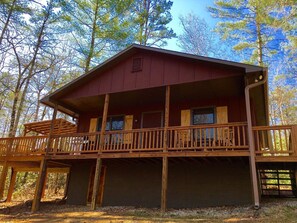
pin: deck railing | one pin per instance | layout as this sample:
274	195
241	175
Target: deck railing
231	136
27	145
269	141
275	140
223	137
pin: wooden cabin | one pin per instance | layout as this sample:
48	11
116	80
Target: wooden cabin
158	128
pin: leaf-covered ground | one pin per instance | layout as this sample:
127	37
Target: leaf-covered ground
281	210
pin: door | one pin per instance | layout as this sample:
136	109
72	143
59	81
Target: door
151	139
152	119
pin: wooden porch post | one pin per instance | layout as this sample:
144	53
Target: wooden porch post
166	117
44	185
43	166
165	158
104	120
66	185
11	184
3	179
99	161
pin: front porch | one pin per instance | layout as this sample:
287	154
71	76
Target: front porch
272	143
208	140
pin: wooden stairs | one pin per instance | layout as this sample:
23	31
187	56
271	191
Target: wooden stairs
278	182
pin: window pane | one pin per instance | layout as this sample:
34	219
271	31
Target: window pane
117	123
99	124
203	116
107	128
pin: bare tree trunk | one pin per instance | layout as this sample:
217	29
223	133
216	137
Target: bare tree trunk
37	107
259	41
92	44
24	180
13	113
43	113
7	21
2	102
20	108
5	128
146	29
57	186
16	114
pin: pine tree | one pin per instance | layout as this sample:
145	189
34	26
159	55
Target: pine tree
250	24
151	18
95	26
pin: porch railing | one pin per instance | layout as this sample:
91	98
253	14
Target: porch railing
29	145
269	141
231	136
275	140
217	137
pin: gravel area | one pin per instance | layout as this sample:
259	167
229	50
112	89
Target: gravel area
272	210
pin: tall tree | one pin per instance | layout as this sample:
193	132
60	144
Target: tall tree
151	18
288	12
32	44
249	24
11	11
95	26
283	97
198	38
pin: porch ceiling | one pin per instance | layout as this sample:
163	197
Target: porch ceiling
218	88
203	90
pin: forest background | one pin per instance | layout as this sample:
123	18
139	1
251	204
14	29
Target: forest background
44	44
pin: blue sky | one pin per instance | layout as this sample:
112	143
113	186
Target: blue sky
183	7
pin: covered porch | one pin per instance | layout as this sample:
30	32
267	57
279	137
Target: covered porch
202	118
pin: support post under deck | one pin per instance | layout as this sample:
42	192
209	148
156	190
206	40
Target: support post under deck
99	160
96	183
3	179
164	184
165	158
39	185
11	185
43	166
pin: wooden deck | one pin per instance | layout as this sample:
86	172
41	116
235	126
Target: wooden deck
272	143
276	143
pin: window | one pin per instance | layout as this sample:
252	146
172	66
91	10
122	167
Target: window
113	123
203	116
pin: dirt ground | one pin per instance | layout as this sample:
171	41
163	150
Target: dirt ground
280	211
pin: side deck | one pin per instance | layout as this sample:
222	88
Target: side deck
272	143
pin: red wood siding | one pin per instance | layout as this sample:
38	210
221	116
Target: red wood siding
158	70
236	111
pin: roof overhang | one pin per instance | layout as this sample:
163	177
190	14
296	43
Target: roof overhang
53	98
